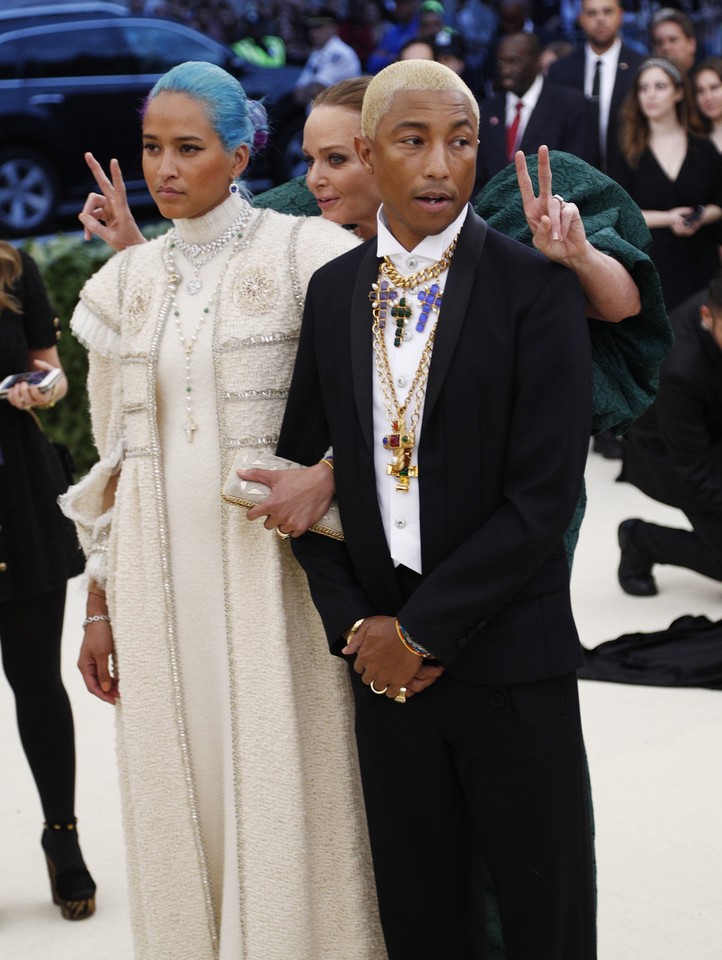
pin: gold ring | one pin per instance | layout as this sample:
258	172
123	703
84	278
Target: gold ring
281	534
379	692
400	696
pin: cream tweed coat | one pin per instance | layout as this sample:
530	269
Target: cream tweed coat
243	815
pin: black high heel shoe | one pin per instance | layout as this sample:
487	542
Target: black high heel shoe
72	887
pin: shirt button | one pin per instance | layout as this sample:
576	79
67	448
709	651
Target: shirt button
399	524
407	335
412	263
401	382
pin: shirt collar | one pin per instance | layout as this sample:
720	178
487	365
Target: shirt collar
431	248
530	97
610	56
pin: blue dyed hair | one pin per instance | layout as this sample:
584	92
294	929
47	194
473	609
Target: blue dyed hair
235	119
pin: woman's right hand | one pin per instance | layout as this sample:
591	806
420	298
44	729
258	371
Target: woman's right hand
94	661
107	214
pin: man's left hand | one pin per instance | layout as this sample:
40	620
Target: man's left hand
383	659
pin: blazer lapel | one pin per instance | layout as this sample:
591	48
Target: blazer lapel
493	135
455	306
623	80
361	340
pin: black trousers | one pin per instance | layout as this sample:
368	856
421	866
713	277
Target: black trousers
466	778
30	633
699	550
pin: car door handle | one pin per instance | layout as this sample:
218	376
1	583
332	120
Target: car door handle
40	98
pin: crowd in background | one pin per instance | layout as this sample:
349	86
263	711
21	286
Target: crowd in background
636	92
477	23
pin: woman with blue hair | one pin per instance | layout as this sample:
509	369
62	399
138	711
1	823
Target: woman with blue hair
240	791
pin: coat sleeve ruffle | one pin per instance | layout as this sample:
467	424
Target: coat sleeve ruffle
83	504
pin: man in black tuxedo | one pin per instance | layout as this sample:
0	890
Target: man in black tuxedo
603	70
673	453
459	437
530	111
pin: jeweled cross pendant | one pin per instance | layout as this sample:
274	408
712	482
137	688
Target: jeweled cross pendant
400	442
382	296
430	299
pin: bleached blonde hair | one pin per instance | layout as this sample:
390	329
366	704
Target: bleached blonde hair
408	75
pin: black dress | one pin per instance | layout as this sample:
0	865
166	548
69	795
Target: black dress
685	264
39	550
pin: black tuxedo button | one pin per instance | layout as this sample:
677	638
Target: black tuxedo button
497	701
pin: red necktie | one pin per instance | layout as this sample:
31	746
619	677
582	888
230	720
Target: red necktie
511	132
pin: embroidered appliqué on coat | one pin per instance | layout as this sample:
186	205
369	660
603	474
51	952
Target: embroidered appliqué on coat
257	288
138	305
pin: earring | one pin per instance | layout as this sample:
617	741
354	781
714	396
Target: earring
233	187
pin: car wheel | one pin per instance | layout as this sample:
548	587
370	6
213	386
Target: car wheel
287	161
28	191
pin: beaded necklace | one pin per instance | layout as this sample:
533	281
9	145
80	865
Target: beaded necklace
188	344
385	294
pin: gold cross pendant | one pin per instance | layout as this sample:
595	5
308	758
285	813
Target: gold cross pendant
400	443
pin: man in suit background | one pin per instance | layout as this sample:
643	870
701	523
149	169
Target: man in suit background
673	453
603	70
530	111
457	402
673	36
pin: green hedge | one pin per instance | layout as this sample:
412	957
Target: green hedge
65	264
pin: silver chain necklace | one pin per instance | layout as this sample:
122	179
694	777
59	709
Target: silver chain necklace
198	254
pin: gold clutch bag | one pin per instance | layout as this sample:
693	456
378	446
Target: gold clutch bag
249	493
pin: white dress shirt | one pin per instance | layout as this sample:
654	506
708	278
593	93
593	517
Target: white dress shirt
400	512
529	101
607	77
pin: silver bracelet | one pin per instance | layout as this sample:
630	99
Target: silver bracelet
97	618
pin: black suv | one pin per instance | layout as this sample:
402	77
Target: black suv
71	86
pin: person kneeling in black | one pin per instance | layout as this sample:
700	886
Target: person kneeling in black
673	453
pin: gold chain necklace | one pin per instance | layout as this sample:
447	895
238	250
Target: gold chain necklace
401	441
385	299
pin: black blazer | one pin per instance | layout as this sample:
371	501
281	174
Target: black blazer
563	119
504	440
570	71
673	453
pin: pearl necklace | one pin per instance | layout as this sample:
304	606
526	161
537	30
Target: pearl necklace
188	345
198	254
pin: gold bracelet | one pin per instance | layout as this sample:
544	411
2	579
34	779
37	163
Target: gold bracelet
51	399
349	634
402	638
328	461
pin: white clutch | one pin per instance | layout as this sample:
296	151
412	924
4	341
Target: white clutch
248	493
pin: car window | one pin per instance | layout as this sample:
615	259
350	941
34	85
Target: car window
65	53
157	49
9	60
